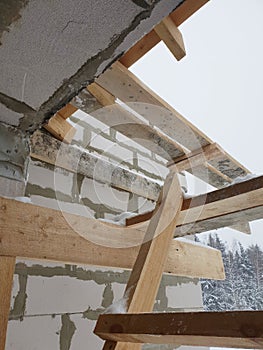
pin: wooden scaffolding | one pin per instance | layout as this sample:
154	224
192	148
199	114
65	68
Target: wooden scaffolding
151	248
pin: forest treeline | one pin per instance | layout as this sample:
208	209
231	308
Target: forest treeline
243	287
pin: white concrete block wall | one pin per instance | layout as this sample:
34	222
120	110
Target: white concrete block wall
55	306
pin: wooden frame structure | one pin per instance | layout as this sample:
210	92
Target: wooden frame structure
242	329
150	245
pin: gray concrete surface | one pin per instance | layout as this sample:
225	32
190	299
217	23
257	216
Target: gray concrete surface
48	53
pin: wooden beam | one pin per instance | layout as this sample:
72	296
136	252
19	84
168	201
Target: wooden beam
60	128
172	37
127	123
76	159
179	15
220	216
9	188
67	111
157	111
33	239
7	265
238	329
221	208
145	278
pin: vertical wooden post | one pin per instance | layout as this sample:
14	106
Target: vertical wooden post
7	266
10	188
147	272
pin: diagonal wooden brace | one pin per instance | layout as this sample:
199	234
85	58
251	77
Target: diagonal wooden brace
146	275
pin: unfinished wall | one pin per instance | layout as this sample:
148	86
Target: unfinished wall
55	306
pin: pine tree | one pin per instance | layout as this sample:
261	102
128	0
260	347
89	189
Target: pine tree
243	287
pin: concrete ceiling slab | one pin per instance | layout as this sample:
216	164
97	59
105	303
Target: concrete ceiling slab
52	50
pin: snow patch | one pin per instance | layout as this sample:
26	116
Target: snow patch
109	221
182	239
239	179
23	199
120	306
187	196
79	101
120	219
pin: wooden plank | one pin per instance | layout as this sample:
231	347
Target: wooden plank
179	15
196	158
238	203
76	159
47	150
67	111
157	111
104	97
186	10
221	208
34	238
7	266
238	329
60	128
172	37
144	281
228	165
127	123
138	50
9	188
243	227
210	175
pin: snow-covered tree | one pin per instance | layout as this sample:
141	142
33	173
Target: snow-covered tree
243	287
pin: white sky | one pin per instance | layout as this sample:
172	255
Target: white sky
218	86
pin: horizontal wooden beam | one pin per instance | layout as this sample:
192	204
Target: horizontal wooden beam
241	202
235	329
172	37
159	113
76	159
34	232
151	106
179	15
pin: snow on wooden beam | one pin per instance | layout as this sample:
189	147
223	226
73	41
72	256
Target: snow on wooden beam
181	14
76	159
241	202
235	329
172	37
48	234
238	203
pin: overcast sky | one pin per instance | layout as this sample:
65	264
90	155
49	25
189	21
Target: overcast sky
218	86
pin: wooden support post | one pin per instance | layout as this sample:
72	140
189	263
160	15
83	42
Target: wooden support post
7	266
10	188
172	37
145	278
227	329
